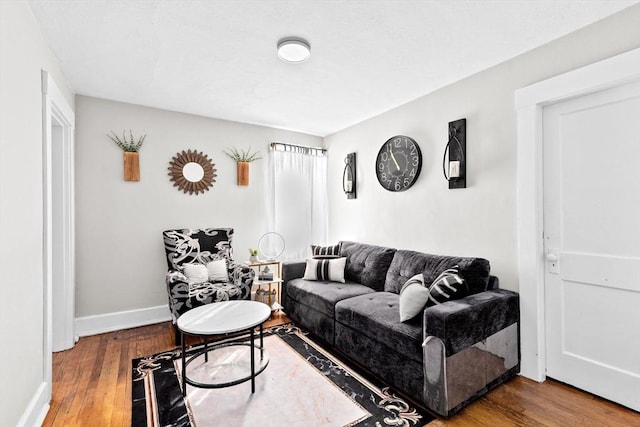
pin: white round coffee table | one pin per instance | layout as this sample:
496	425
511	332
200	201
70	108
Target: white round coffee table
231	362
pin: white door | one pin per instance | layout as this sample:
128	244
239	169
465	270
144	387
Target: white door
592	242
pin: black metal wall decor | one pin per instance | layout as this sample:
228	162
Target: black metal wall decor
454	167
349	176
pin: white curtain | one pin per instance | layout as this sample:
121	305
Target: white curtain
297	198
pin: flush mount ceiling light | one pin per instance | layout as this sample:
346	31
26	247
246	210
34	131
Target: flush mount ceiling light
294	50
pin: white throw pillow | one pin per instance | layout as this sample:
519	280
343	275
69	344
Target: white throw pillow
196	273
413	297
217	270
325	269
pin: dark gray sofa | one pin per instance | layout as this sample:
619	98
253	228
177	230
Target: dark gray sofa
450	355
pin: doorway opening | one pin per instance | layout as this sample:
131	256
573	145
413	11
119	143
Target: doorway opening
58	220
530	102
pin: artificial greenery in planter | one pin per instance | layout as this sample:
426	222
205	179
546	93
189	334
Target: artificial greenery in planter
127	145
242	158
130	147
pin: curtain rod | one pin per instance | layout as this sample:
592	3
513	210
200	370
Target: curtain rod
297	148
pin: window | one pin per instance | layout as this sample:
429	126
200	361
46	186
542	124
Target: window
297	197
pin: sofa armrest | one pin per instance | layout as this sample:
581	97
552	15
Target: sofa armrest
464	322
293	270
470	346
290	270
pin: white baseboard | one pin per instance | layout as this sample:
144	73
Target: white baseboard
101	323
37	409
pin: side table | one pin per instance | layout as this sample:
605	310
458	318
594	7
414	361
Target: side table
275	268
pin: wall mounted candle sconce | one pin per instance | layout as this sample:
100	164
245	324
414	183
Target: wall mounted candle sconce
454	167
349	176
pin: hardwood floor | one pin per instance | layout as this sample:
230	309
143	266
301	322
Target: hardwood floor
92	387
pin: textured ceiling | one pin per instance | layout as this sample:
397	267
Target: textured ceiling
218	58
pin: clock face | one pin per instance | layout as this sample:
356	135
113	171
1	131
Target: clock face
398	163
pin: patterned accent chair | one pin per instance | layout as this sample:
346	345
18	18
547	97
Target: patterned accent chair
200	246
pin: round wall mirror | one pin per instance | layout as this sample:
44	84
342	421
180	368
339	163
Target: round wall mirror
192	172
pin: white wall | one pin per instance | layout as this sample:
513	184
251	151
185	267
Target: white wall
120	255
23	54
481	219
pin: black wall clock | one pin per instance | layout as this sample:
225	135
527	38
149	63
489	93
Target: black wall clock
398	163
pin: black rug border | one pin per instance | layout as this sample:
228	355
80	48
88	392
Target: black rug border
386	406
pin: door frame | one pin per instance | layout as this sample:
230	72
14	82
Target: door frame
530	102
56	111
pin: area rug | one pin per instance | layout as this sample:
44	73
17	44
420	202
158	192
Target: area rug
303	385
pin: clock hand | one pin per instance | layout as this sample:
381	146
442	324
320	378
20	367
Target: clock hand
394	159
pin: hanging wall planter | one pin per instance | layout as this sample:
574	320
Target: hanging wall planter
242	158
130	147
243	173
131	166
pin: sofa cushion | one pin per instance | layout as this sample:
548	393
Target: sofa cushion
313	321
407	264
377	316
367	264
323	295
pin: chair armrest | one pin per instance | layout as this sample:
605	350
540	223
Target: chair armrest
242	276
175	277
464	322
177	290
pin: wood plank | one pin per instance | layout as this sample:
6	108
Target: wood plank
92	386
122	402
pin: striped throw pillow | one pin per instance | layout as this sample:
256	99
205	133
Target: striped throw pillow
449	285
331	270
326	251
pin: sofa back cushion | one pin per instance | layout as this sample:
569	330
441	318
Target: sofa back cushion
407	264
367	264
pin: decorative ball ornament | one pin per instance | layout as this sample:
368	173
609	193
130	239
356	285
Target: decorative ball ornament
192	172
